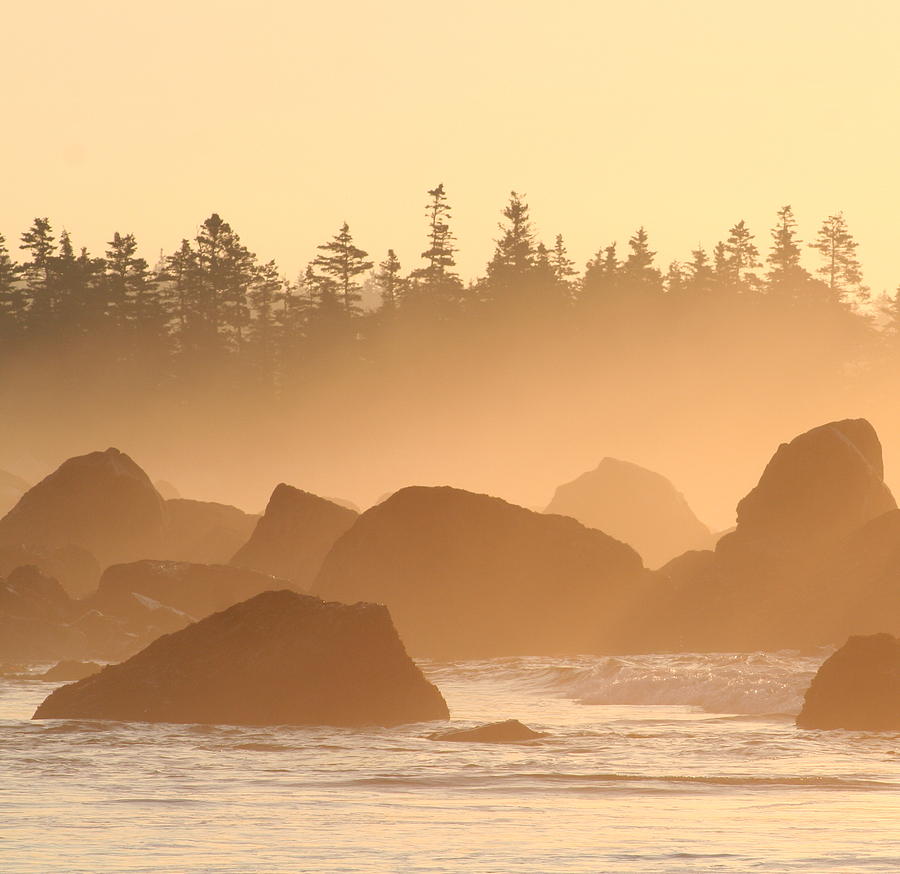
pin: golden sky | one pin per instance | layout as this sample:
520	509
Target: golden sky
288	118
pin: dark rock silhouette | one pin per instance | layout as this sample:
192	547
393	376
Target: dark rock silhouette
278	658
101	502
204	531
509	731
467	575
634	505
70	670
857	688
816	490
294	535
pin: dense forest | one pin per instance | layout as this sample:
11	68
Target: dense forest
363	357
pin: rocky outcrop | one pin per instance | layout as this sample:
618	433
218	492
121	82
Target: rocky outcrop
102	502
203	531
75	568
811	560
70	670
35	619
191	590
278	658
294	535
507	732
467	575
634	505
857	688
816	490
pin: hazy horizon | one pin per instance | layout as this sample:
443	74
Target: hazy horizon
288	120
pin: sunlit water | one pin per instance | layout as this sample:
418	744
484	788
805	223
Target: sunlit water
653	764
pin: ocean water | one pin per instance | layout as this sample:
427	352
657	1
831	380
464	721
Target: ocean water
659	763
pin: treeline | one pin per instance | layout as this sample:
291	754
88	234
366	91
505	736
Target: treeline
211	307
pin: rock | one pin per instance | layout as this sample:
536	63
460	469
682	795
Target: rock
204	532
192	590
12	488
634	505
28	593
166	490
75	568
35	615
471	576
278	658
102	502
294	535
510	731
809	562
857	688
816	490
71	670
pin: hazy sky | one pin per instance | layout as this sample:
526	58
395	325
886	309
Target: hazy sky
288	118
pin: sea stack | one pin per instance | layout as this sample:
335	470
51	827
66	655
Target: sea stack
294	535
280	658
101	502
471	576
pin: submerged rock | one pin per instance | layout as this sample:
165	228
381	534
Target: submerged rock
471	576
857	688
509	731
294	535
71	670
278	658
101	502
634	505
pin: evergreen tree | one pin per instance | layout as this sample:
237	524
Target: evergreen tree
700	275
741	256
266	289
390	282
13	299
515	251
440	251
638	270
785	270
840	269
38	240
563	267
339	266
601	276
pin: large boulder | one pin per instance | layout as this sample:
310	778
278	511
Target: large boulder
468	576
278	658
101	502
294	535
634	505
857	688
816	490
204	531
